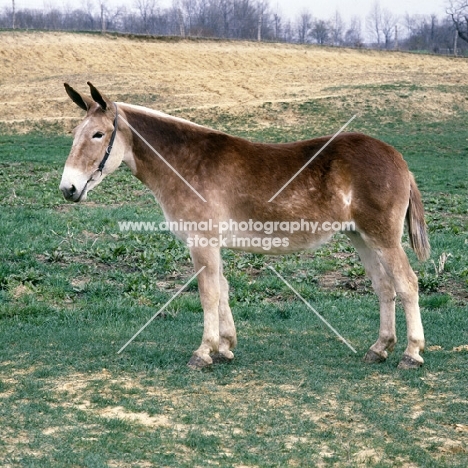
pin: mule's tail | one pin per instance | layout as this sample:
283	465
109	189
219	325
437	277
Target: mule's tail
416	224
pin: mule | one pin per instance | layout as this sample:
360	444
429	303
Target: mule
204	179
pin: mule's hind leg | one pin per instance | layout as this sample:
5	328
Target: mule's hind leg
383	287
227	329
397	266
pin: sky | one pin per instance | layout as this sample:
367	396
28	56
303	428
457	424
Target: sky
288	9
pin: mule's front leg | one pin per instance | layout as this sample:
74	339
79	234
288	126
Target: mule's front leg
378	352
227	329
209	288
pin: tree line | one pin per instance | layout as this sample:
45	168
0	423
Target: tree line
256	20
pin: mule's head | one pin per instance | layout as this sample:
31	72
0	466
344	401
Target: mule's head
84	168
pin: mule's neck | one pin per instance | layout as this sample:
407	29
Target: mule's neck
160	141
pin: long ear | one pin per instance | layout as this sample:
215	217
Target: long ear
102	100
82	101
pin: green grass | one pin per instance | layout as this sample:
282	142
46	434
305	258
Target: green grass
74	289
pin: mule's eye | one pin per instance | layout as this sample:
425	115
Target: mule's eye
98	135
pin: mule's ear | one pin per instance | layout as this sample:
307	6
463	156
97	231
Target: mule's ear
82	101
100	98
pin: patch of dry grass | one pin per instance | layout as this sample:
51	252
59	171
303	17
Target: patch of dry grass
196	76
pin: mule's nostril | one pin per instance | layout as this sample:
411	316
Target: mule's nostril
69	192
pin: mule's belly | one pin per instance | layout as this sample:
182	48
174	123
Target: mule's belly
260	243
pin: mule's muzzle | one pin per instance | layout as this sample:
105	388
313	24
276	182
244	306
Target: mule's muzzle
71	193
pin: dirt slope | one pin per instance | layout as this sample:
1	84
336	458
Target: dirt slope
200	75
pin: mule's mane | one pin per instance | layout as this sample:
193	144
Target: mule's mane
146	112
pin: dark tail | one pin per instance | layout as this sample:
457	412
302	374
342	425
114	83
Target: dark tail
416	224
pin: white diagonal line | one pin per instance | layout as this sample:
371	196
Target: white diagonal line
312	309
312	158
162	158
161	309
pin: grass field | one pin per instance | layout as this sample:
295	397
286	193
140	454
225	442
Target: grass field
74	289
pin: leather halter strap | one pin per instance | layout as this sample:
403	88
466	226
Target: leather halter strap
111	142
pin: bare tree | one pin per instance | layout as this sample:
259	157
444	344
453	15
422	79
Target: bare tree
337	27
225	16
288	32
304	24
434	33
108	16
388	21
458	12
146	9
410	23
188	9
244	19
277	25
320	31
374	22
353	35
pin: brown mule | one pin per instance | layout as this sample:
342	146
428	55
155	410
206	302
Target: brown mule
214	190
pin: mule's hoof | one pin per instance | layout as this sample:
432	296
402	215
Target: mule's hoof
219	358
408	362
197	363
373	357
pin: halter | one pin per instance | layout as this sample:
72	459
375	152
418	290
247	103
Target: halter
111	142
